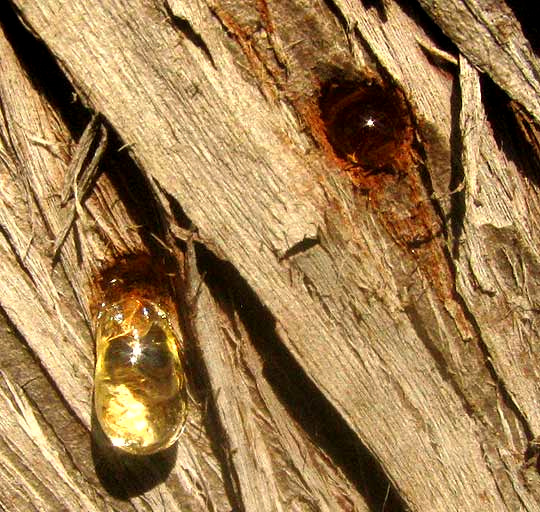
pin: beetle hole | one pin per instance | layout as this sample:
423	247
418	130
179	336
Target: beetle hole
367	124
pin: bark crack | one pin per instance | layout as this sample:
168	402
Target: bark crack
184	26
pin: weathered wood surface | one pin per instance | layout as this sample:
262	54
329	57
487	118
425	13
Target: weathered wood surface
330	339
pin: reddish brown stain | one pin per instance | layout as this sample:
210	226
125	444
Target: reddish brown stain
266	72
367	128
368	125
265	16
139	275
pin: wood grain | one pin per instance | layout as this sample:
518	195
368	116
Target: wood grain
421	348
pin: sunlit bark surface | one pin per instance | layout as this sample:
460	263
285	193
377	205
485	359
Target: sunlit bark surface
346	195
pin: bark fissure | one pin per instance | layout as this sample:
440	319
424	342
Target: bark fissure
365	339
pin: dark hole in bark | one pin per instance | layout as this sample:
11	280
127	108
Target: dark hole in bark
367	124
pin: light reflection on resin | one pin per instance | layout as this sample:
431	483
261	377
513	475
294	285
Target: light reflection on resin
139	386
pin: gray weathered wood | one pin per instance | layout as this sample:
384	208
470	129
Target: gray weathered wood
425	352
491	37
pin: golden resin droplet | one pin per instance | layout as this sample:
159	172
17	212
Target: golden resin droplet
139	386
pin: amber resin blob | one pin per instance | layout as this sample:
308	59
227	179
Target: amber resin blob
139	387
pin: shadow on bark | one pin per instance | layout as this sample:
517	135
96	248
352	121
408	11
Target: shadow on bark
304	402
125	476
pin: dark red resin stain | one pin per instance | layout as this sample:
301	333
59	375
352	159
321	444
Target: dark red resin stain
368	125
142	275
367	129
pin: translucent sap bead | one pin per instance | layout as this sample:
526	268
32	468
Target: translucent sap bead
139	387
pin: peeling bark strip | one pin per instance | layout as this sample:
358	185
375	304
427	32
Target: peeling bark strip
491	37
80	174
385	327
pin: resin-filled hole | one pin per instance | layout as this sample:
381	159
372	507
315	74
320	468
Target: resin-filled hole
367	124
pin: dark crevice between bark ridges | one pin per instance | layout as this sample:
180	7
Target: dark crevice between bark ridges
304	402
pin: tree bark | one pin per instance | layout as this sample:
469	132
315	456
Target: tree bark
360	323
